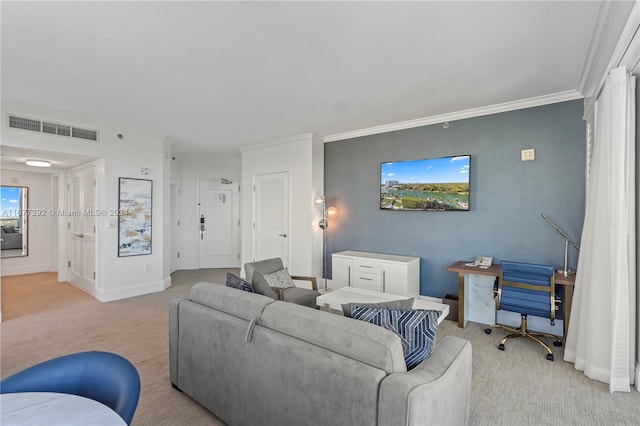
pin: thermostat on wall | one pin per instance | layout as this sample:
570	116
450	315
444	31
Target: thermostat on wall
527	154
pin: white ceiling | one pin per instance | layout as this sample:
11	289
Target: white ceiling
217	76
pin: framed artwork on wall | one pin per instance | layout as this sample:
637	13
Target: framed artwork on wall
135	213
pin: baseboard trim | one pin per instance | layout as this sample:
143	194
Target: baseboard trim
8	271
167	282
108	295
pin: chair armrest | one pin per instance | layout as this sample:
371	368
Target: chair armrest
314	283
278	292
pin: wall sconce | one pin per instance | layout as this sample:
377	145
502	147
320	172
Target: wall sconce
330	212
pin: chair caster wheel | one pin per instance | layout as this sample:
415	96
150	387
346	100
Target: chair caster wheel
550	357
557	343
501	347
487	331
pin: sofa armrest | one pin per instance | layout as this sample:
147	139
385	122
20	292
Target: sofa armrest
314	283
174	318
437	391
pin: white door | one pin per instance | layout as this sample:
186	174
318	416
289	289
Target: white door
271	216
82	229
218	224
174	217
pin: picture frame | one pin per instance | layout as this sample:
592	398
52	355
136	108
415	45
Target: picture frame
135	213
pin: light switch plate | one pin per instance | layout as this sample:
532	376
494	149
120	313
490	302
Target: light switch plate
527	154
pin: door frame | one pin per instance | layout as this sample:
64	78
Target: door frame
236	211
254	213
66	225
176	225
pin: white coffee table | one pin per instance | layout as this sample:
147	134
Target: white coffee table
335	298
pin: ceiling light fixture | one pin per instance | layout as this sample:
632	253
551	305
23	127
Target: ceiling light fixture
38	163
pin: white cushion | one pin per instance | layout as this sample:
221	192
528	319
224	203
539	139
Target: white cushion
279	279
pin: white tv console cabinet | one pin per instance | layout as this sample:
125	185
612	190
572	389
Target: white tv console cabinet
387	273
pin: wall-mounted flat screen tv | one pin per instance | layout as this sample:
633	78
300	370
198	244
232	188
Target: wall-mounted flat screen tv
432	184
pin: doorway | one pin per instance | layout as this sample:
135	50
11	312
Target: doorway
218	223
82	228
271	216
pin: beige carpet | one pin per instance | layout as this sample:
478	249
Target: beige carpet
43	319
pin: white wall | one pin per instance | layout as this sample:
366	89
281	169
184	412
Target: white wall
39	227
116	277
303	158
190	169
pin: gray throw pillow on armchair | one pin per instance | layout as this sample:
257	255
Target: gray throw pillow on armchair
261	286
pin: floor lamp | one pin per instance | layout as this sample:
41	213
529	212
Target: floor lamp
330	212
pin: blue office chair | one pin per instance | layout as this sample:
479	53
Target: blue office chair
102	376
528	289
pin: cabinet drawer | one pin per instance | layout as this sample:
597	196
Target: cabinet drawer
366	280
367	266
365	285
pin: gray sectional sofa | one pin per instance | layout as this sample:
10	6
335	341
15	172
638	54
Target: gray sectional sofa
254	361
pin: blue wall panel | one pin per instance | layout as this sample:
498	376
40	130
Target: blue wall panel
507	195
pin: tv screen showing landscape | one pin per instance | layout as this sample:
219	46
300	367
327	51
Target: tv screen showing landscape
433	184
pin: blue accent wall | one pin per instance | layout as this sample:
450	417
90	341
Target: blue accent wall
506	196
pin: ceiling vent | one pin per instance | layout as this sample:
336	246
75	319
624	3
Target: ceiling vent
52	128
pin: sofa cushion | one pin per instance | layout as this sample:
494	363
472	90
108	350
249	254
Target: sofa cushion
240	304
237	282
300	296
396	304
416	328
279	279
357	340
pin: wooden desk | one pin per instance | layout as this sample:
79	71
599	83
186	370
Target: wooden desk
46	408
494	271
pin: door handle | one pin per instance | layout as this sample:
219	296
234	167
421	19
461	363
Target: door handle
79	235
282	235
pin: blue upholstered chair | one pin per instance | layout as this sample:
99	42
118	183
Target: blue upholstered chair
102	376
528	289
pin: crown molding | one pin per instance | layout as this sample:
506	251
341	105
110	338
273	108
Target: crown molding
265	144
569	95
615	25
600	48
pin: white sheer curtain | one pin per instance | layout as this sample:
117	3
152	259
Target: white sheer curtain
601	336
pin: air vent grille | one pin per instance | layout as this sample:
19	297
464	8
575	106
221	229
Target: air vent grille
56	129
91	135
52	128
24	123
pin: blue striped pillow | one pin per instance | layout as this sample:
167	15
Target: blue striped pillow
237	282
415	327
